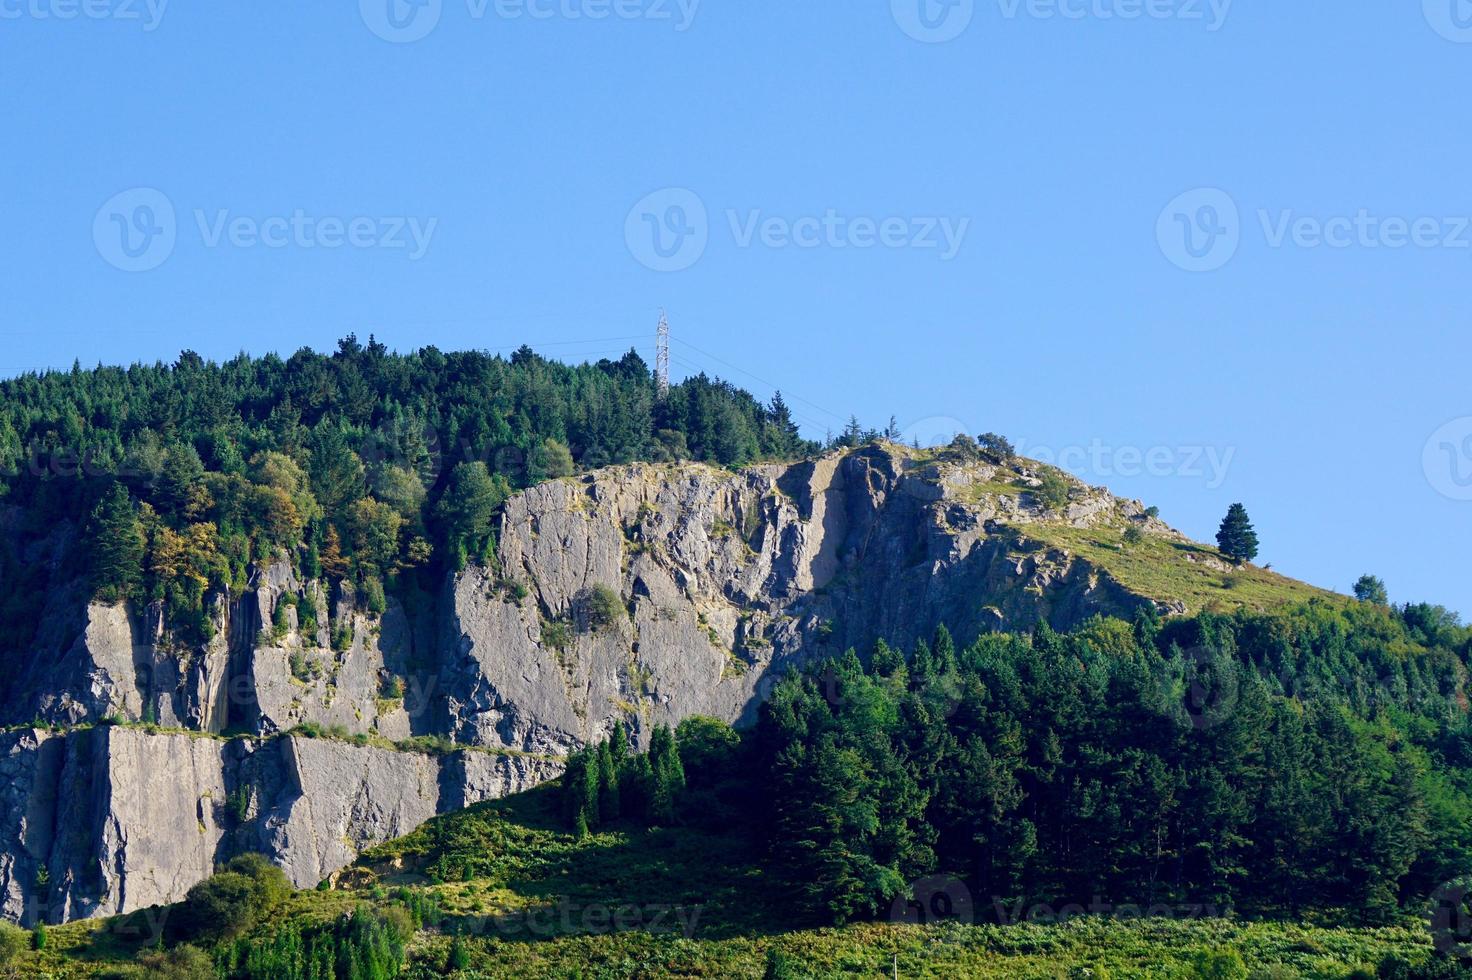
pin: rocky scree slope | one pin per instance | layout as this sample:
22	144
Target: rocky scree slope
640	593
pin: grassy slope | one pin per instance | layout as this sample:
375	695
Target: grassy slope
687	902
1157	566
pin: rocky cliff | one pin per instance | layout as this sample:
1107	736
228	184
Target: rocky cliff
641	593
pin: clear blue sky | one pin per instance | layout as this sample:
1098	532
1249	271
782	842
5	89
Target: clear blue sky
1053	140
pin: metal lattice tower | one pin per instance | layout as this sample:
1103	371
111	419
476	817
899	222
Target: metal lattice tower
662	356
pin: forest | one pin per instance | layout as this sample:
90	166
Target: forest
168	482
1308	762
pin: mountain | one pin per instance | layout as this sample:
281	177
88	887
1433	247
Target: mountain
137	761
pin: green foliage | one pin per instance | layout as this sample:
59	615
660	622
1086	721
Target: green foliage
459	958
354	465
1371	589
1269	763
999	447
1236	538
116	546
556	460
556	634
230	902
603	783
1219	964
39	936
1053	490
238	802
365	945
14	941
180	963
601	607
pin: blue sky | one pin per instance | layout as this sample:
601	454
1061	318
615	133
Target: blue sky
972	215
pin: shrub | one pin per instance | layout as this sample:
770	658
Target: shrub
459	958
556	634
180	963
998	446
1053	492
602	607
38	938
231	901
1219	964
13	941
374	596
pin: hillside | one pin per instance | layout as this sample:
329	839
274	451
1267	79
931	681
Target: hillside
291	612
642	593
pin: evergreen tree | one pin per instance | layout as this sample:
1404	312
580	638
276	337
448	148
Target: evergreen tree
1371	589
116	543
1236	538
609	805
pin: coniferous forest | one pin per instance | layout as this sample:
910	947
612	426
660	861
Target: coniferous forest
167	482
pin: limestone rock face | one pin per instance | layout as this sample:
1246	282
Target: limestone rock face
726	579
121	819
641	594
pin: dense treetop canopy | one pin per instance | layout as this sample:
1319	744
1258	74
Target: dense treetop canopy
169	481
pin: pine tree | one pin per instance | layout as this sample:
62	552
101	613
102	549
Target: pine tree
609	804
1237	539
115	538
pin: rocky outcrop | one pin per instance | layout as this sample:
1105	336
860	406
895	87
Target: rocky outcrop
642	593
725	580
109	820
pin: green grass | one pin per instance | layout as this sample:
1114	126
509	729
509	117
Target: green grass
1154	948
530	900
1158	567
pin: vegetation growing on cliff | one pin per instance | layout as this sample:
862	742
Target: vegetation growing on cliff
365	465
1007	808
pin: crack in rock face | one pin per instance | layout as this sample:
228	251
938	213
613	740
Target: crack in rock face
641	594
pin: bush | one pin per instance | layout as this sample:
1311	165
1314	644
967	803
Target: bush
556	634
1054	490
13	941
602	607
998	446
38	938
459	958
180	963
231	901
1219	964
